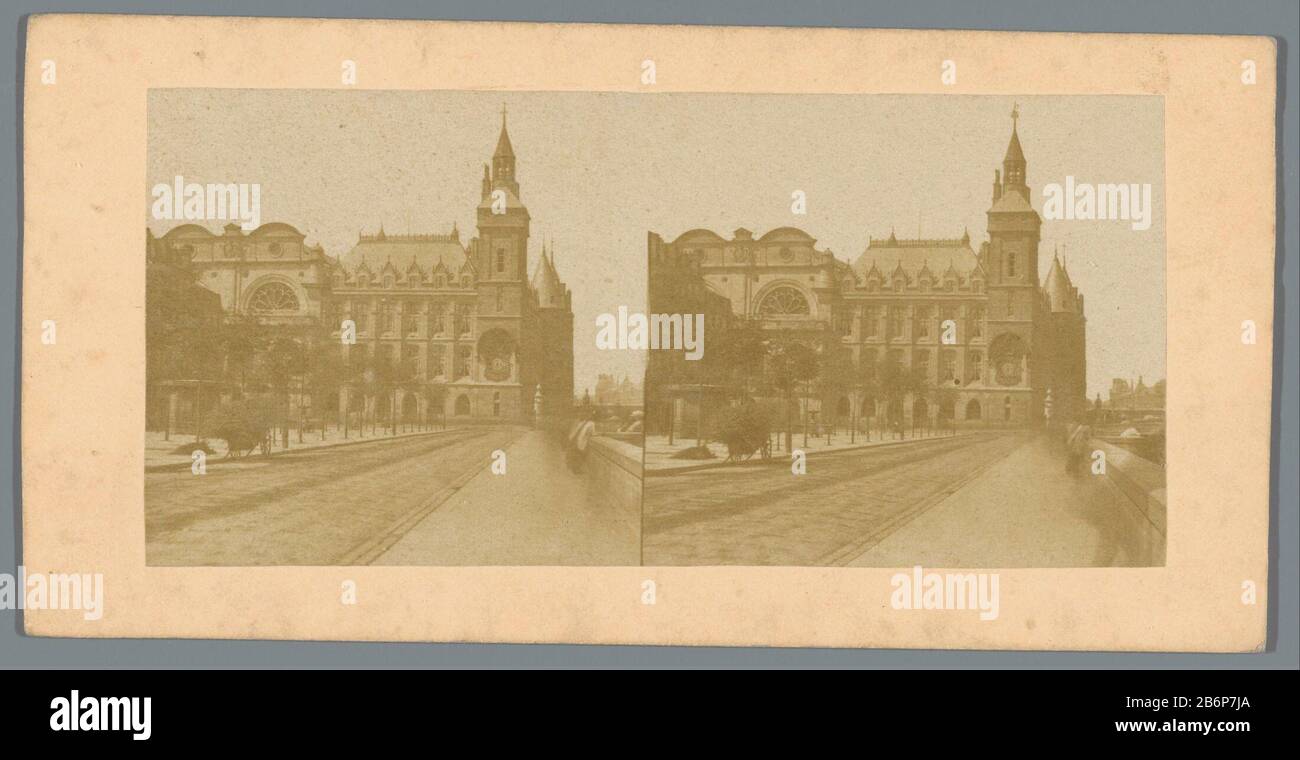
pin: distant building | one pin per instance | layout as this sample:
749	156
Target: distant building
1136	397
611	391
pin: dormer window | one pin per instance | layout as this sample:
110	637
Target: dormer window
388	281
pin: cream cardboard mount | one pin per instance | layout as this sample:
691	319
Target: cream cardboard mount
96	484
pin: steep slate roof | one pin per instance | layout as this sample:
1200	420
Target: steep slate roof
504	148
1011	201
934	256
546	282
426	251
1014	152
1061	293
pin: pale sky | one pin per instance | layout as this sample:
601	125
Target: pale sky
599	170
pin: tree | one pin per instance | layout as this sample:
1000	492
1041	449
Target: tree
327	372
869	385
744	429
243	425
791	365
280	361
740	356
945	398
896	383
242	339
837	377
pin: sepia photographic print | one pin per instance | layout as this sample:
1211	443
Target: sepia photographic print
370	354
957	360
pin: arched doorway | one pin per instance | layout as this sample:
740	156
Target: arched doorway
973	410
410	407
1006	409
462	406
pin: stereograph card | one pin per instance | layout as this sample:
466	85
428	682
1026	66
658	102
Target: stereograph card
426	331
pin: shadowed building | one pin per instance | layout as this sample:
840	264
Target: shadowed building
989	341
469	334
443	327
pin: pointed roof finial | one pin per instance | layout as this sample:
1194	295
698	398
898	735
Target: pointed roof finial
1015	154
504	149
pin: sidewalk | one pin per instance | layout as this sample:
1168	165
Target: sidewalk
158	453
659	455
537	513
1024	511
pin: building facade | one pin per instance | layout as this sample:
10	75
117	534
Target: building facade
427	325
993	343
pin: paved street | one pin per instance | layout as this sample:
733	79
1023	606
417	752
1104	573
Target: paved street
316	507
848	503
537	513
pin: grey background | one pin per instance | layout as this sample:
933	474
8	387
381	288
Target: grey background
1278	18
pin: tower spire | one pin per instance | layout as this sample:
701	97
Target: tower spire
503	159
1013	163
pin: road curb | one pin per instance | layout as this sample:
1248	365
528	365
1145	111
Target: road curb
183	466
775	461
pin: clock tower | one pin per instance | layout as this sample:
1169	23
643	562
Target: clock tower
1010	260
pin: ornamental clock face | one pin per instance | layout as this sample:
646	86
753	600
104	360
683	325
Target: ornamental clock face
498	369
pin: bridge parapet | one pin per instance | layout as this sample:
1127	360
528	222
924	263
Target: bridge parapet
1143	482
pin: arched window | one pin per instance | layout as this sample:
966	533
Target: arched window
784	301
1006	408
273	297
